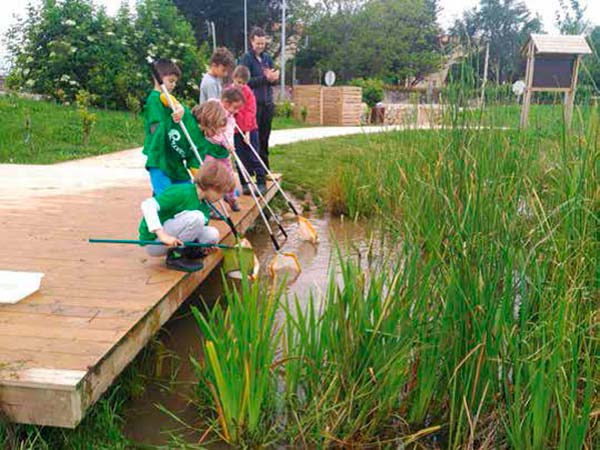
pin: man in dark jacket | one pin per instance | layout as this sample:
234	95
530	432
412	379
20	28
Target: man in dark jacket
262	77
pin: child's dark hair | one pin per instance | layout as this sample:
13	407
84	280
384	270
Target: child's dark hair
232	94
242	73
257	32
222	57
166	67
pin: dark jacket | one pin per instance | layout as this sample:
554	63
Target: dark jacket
258	81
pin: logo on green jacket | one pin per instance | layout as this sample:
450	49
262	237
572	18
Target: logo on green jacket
174	138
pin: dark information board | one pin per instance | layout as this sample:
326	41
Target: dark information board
553	71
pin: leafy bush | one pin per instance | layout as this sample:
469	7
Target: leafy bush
284	109
67	46
372	89
304	113
83	100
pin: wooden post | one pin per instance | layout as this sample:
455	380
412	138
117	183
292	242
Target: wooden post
570	94
528	85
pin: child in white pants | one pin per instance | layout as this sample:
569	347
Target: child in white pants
181	214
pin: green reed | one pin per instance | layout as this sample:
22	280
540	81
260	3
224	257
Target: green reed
235	372
480	329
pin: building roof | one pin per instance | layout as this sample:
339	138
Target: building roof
559	44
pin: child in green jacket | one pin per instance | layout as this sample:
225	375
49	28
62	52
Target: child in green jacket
169	155
181	214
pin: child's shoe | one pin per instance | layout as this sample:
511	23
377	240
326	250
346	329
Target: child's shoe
233	203
176	260
194	252
246	190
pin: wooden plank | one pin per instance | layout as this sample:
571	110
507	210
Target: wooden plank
62	347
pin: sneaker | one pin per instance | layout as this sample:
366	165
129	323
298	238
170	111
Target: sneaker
194	252
246	190
176	260
233	204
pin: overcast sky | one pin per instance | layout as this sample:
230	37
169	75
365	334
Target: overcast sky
450	10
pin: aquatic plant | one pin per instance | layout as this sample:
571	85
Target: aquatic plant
235	372
480	329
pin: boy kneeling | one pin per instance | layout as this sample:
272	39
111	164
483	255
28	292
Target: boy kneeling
181	213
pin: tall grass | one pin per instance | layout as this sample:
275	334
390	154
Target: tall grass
509	221
235	373
480	330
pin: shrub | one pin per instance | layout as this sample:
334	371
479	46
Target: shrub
304	113
372	90
284	109
83	100
67	46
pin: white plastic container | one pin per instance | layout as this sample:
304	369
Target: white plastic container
15	286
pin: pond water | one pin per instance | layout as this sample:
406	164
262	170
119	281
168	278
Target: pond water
145	422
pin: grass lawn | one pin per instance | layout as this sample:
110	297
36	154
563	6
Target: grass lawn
286	123
43	132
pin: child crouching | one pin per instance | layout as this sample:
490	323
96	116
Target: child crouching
181	213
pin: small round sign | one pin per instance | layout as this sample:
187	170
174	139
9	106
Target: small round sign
518	87
330	78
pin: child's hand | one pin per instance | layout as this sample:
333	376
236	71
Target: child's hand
167	239
247	137
177	113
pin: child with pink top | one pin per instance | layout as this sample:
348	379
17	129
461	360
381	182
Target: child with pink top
217	122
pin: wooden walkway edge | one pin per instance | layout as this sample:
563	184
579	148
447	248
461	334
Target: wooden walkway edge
98	306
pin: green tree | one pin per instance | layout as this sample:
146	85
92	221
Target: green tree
161	31
505	25
570	17
592	62
228	16
391	39
60	48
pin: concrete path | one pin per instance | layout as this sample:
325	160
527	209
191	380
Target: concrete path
122	169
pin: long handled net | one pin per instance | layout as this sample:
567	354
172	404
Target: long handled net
283	263
306	231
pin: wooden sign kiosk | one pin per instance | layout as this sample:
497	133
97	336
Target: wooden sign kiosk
552	66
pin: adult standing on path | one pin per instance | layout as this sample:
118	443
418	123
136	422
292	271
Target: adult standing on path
262	77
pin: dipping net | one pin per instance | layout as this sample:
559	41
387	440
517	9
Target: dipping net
306	231
284	265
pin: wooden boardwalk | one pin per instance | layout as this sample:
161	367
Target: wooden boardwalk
98	305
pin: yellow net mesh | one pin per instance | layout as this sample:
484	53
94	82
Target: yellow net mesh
306	231
285	265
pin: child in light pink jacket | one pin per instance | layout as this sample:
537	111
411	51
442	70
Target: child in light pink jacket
218	127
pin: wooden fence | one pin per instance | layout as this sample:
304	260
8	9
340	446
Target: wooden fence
339	105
